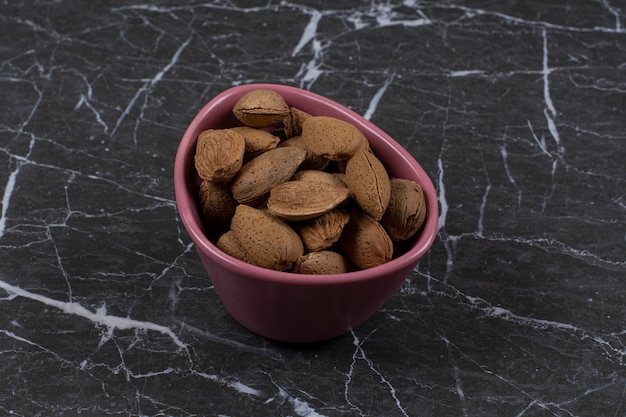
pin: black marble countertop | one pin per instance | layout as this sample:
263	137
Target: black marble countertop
515	109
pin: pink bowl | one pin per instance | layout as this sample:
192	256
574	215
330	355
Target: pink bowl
285	306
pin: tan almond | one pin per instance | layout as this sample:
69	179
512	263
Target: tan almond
217	204
331	138
257	140
267	241
341	176
406	211
323	263
219	154
368	181
230	244
324	231
340	166
293	123
319	176
261	108
312	160
259	175
303	200
365	242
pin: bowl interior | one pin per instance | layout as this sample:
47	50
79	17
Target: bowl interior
217	114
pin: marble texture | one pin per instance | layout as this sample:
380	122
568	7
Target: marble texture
514	108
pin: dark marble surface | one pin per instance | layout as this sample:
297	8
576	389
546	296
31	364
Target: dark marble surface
515	109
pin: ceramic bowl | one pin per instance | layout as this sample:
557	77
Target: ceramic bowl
286	306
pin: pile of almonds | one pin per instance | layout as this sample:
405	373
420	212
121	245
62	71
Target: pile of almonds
291	191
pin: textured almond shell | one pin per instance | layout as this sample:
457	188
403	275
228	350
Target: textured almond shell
406	211
368	181
365	242
229	243
303	200
331	138
322	263
257	140
293	123
264	172
267	241
217	204
219	154
324	231
261	108
312	160
315	175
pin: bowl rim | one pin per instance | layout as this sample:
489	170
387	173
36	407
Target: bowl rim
188	211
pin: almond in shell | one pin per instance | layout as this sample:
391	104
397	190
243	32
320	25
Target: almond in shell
369	184
230	244
406	211
332	138
267	241
323	263
257	140
312	160
364	241
264	172
324	231
219	154
315	175
293	123
303	200
261	108
217	204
